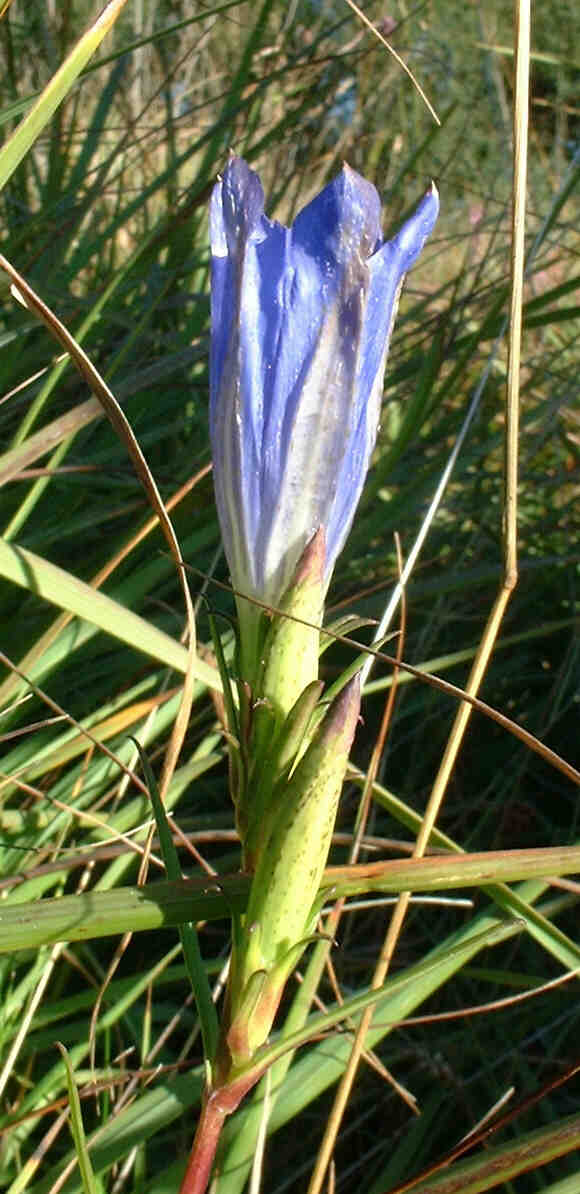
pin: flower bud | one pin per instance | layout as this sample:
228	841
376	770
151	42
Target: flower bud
301	320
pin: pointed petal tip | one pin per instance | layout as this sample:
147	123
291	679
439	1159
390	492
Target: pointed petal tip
236	207
426	212
432	196
408	242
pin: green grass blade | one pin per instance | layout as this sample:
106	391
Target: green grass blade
59	86
67	592
106	913
135	909
77	1128
189	939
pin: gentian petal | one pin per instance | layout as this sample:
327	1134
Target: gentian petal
301	319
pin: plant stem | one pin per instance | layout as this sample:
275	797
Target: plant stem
205	1143
217	1104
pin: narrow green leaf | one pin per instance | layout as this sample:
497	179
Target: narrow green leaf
77	1128
462	870
101	914
55	91
230	708
66	591
321	1022
189	939
108	913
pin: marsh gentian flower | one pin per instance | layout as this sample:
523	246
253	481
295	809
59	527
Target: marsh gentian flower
301	319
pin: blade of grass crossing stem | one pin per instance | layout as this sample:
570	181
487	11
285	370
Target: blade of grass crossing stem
416	976
77	1128
33	922
189	939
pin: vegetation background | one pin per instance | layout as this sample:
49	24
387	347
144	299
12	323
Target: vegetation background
107	217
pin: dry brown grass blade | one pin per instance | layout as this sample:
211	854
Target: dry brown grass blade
14	462
377	33
479	1137
83	731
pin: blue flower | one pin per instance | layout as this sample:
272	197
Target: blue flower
301	320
